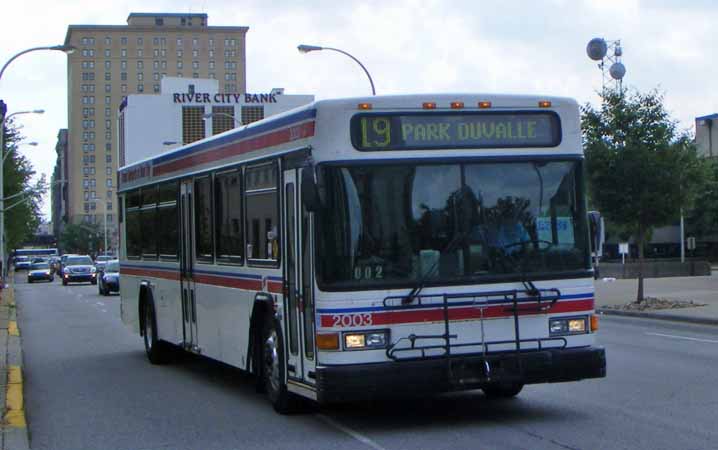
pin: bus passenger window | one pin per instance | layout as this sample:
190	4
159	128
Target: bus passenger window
262	203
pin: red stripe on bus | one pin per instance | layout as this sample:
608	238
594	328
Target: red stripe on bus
278	137
275	286
463	313
251	285
165	274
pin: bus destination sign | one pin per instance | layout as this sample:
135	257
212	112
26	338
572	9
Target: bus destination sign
424	131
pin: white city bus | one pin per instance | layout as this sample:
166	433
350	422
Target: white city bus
356	248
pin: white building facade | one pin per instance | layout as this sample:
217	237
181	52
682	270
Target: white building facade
187	110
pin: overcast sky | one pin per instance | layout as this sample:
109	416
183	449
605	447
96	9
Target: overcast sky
535	47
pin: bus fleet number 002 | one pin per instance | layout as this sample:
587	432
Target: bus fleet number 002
351	320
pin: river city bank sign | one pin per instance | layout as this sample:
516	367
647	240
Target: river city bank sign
204	97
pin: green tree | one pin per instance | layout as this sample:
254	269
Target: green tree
83	238
22	207
640	168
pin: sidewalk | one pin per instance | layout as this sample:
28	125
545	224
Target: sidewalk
697	289
13	425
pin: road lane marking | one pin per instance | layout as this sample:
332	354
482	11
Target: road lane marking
685	338
356	435
100	303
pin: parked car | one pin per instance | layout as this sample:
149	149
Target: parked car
78	268
40	271
108	279
22	263
101	260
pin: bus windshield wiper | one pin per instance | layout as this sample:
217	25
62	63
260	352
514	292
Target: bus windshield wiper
416	290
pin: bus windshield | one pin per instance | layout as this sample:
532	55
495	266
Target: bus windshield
450	223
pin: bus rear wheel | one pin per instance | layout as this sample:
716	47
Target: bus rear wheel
502	390
158	352
274	369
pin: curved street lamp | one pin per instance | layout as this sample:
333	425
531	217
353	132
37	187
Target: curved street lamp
313	48
61	48
210	114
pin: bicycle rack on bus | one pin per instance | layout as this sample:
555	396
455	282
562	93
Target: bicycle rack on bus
521	302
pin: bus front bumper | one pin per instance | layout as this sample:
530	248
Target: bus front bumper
364	381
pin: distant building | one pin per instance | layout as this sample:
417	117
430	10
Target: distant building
58	187
187	110
707	135
114	61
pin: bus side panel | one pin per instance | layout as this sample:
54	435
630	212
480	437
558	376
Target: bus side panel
223	315
168	301
129	301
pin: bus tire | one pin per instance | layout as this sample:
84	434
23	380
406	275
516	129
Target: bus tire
273	368
502	390
158	352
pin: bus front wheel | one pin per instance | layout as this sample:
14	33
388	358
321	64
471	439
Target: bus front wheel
274	368
500	390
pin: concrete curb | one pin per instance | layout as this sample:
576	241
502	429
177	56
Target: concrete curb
15	435
659	316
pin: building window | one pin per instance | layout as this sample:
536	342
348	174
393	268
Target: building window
155	65
195	64
140	53
108	40
155	40
107	53
156	88
140	87
262	206
140	76
163	52
123	53
179	53
195	75
123	76
195	42
210	42
252	114
222	119
123	65
211	65
107	124
123	88
163	64
159	21
195	53
140	65
179	42
108	88
123	41
108	76
179	64
108	100
108	170
108	158
108	112
108	183
108	148
212	75
163	42
140	41
156	76
192	124
210	53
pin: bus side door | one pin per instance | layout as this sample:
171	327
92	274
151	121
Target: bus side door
298	306
189	308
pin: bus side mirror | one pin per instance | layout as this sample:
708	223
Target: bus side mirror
595	225
310	191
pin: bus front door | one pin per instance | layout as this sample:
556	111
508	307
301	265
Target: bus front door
189	306
298	300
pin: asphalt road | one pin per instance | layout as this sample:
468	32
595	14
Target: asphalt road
88	386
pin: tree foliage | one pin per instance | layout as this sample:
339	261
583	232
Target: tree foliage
22	207
702	220
641	169
83	238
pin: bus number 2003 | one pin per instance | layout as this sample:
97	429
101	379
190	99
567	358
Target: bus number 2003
351	320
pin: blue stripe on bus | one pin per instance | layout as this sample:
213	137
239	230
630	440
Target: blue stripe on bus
240	134
439	305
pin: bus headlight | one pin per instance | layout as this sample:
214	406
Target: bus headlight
567	326
366	340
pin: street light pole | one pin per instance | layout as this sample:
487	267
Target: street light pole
104	215
311	48
210	114
62	48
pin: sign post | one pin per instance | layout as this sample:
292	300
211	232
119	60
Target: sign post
623	250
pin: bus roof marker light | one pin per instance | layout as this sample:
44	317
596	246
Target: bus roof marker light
484	105
364	106
544	104
457	105
429	105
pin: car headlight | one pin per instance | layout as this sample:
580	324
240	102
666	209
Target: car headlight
366	340
93	270
66	270
567	326
47	272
